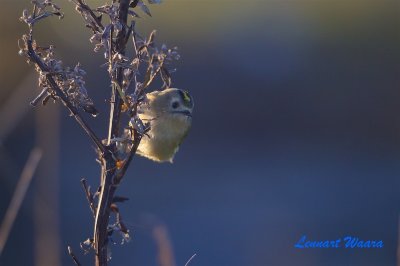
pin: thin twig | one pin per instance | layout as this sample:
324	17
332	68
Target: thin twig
38	98
120	45
108	186
74	258
89	197
64	99
187	263
122	171
19	195
111	175
89	10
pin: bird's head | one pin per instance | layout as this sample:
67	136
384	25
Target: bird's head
169	102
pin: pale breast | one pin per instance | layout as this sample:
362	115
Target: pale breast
165	136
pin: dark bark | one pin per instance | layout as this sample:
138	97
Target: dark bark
109	169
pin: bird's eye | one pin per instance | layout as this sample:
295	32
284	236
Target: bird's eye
175	105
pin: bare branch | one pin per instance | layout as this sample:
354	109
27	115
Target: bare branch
122	171
61	83
85	8
89	197
74	258
35	58
191	258
38	98
108	186
120	44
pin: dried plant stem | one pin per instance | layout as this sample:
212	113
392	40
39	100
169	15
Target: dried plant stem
19	195
103	211
38	98
67	85
89	197
64	99
74	258
98	24
109	170
191	258
120	44
121	173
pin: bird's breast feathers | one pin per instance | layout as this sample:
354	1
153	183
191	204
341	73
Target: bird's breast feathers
165	135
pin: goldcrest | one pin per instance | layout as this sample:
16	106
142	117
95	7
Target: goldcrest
169	113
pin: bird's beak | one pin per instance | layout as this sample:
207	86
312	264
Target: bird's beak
185	112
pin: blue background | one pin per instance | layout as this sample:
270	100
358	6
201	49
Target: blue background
295	131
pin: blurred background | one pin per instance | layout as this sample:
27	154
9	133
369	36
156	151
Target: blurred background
296	131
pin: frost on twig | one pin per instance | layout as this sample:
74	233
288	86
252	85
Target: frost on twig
69	80
41	11
155	61
56	81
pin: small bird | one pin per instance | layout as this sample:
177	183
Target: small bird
169	113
